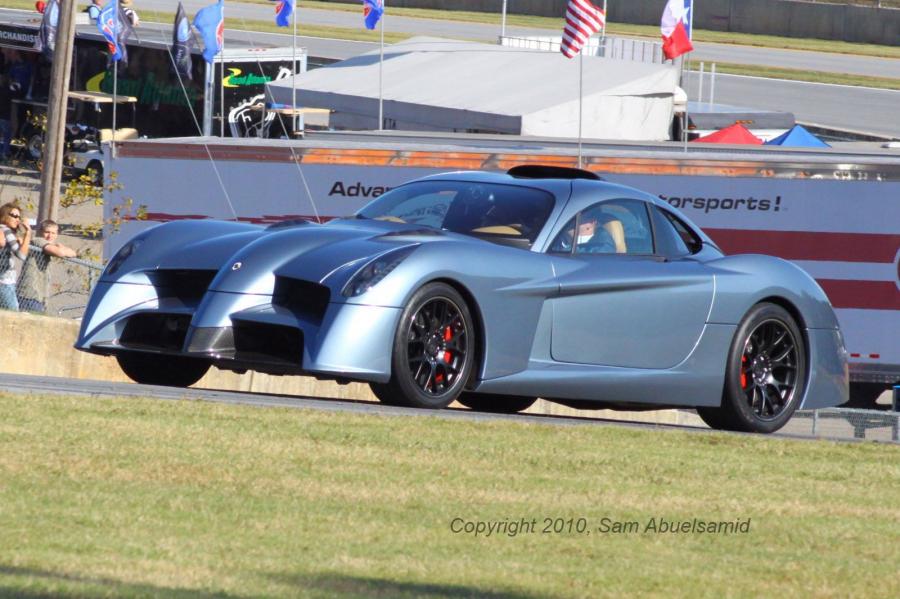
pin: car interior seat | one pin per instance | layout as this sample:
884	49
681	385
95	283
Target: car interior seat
617	232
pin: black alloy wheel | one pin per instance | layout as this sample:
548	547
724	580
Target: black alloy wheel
160	369
765	375
433	350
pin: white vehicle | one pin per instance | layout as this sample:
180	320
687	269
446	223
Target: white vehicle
833	212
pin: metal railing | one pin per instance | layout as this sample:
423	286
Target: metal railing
619	48
846	423
61	288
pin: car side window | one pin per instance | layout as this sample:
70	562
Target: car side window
609	227
668	242
689	242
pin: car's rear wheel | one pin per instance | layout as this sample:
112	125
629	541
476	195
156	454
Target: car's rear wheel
158	369
433	351
765	375
494	403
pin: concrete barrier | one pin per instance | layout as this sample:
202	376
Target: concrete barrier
787	18
42	346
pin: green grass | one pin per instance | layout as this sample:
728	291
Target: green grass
123	497
801	75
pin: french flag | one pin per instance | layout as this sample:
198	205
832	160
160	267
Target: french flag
676	28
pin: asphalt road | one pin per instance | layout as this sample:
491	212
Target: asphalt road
24	384
847	108
775	57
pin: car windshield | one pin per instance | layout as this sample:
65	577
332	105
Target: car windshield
480	209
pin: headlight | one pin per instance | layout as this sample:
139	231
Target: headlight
122	255
373	272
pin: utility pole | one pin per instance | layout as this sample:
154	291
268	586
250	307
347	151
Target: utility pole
57	103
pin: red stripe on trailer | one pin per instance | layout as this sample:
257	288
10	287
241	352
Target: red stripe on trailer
806	245
862	295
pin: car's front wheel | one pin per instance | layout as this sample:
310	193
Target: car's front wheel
158	369
497	404
433	351
765	375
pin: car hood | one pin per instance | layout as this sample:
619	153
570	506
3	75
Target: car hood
326	254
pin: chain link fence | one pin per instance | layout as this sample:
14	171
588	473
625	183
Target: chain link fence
54	286
846	423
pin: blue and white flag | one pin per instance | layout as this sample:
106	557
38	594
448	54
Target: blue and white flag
210	22
372	10
283	11
182	41
116	28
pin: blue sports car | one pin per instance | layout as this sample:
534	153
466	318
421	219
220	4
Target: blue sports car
489	289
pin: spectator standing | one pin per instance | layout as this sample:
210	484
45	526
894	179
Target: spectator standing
94	9
11	222
130	13
33	287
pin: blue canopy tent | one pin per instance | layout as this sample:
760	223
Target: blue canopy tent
797	137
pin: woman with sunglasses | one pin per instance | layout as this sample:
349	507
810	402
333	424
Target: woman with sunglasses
11	222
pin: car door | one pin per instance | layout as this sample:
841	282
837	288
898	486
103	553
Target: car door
638	304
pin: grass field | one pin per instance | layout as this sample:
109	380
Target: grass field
115	497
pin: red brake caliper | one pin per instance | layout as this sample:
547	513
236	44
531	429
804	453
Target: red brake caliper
448	335
743	372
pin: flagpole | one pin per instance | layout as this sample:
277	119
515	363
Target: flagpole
381	75
603	32
112	142
580	101
222	77
294	71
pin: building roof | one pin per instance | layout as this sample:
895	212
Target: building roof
441	85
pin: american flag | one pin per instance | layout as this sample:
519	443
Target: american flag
583	20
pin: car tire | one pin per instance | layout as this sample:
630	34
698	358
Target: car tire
433	352
495	403
158	369
765	375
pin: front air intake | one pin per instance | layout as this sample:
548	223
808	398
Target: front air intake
268	343
155	331
189	286
303	298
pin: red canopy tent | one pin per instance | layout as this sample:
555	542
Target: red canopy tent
734	134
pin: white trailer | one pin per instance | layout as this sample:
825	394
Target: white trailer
835	213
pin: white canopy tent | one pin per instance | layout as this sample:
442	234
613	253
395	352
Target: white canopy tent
432	84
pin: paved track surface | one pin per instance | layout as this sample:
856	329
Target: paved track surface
775	57
12	383
859	109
